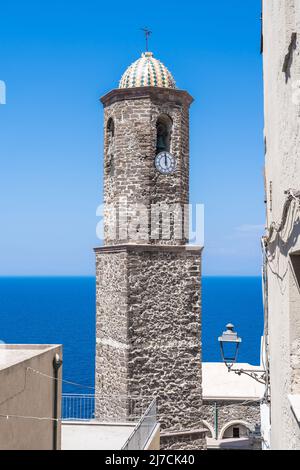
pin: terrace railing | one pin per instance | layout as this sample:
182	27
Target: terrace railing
81	407
78	407
143	430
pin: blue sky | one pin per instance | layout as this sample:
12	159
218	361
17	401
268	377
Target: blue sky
58	58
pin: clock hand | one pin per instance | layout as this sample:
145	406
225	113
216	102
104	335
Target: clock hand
166	161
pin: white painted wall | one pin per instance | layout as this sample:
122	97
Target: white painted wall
282	133
265	426
26	395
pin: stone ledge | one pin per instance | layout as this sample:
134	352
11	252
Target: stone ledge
152	248
185	433
157	93
209	399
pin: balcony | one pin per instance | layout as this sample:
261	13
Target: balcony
81	431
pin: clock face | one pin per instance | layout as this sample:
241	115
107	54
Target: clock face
165	163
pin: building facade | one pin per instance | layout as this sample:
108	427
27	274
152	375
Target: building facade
148	277
30	400
281	56
231	407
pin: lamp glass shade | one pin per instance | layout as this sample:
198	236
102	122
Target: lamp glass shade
229	344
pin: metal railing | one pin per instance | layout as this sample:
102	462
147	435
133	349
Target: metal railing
143	430
81	407
78	407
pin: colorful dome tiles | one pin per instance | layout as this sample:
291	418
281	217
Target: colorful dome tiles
147	71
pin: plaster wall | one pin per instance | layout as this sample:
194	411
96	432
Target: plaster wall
281	38
148	342
23	393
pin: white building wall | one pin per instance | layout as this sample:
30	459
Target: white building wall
281	18
27	397
265	426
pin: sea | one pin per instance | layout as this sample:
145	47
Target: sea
61	310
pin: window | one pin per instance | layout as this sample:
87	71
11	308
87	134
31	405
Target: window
110	133
235	431
163	134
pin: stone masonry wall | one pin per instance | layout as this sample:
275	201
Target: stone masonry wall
130	177
184	441
148	333
165	331
111	336
148	289
229	412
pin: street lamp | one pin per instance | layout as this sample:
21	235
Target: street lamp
229	344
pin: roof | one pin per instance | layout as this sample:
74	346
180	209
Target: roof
218	383
147	71
12	354
95	435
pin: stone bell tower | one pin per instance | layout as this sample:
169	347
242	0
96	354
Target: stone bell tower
148	277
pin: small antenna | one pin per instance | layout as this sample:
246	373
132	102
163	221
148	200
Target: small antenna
147	34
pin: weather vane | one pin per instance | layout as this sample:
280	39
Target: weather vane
147	34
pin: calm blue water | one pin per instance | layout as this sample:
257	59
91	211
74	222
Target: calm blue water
62	311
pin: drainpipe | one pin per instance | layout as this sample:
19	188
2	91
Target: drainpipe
216	421
57	363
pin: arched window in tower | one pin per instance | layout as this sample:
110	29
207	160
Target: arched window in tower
163	133
110	133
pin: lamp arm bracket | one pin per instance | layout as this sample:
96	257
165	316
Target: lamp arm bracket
257	374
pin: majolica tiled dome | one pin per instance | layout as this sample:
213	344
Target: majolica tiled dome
147	71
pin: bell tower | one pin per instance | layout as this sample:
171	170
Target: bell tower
148	277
